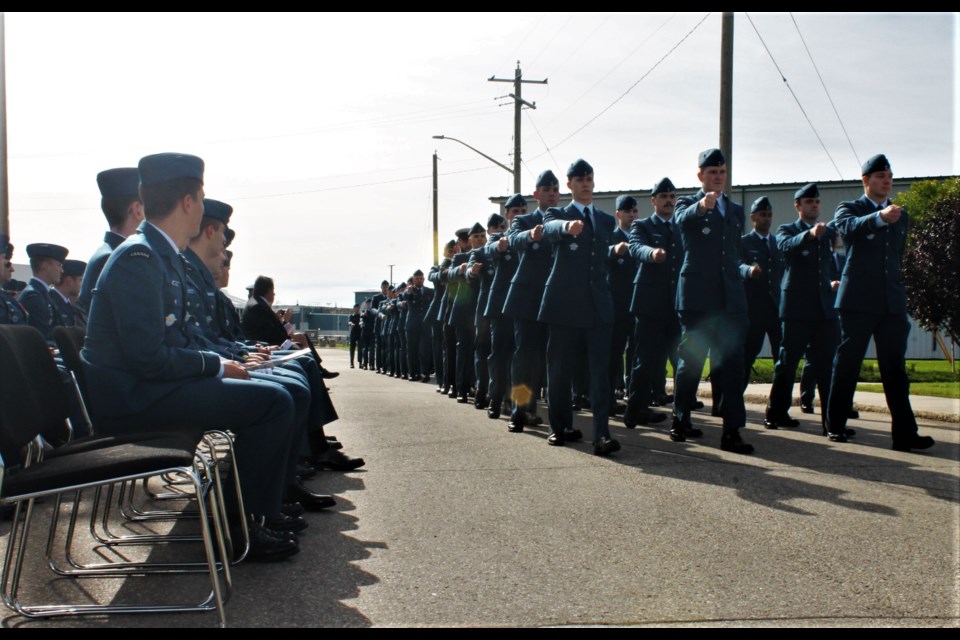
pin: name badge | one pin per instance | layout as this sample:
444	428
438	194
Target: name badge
804	253
619	260
706	231
573	246
535	245
508	257
870	236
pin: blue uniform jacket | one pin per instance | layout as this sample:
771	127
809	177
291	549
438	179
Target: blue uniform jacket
461	292
577	292
95	264
137	348
505	267
711	278
655	285
484	279
871	279
623	271
526	288
764	290
806	293
42	311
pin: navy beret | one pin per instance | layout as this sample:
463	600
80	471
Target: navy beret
418	272
547	179
74	267
477	228
809	190
217	210
761	204
119	182
495	220
228	236
47	251
711	158
516	200
663	185
579	168
626	202
878	162
166	167
463	234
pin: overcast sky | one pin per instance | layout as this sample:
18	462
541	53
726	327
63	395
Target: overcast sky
318	128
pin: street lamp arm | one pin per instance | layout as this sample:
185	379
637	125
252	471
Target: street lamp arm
499	164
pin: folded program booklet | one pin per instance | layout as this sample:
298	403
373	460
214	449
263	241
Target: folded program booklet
275	360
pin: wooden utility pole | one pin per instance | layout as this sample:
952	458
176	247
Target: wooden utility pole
4	194
436	227
726	94
518	104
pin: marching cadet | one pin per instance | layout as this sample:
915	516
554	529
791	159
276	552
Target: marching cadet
873	303
65	294
11	311
121	205
711	302
435	320
762	287
368	317
623	271
46	262
502	343
463	290
523	303
655	245
400	330
376	362
443	314
496	224
578	308
806	306
417	300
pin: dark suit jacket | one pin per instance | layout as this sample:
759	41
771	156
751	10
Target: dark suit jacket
763	292
484	279
711	278
505	267
623	271
417	303
462	293
526	288
260	322
871	280
655	285
577	292
808	271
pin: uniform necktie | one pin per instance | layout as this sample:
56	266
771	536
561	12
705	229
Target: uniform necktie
586	217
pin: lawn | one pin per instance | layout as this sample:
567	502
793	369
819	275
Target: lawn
936	389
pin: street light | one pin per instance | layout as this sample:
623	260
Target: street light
499	164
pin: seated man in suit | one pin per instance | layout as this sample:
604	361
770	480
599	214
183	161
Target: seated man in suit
46	262
146	374
577	306
65	294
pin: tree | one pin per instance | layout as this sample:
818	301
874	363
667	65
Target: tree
931	269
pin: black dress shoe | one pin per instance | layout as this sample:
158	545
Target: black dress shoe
836	437
481	402
292	509
806	408
573	435
425	379
463	399
650	417
532	420
327	375
731	441
515	427
915	442
605	446
305	470
555	440
771	421
680	431
853	415
493	412
308	499
284	522
336	461
847	433
452	394
443	390
698	404
267	548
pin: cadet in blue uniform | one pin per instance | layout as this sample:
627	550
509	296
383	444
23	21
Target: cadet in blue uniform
873	303
120	203
623	271
438	341
65	293
11	311
655	245
806	306
762	287
523	303
502	342
417	300
496	225
711	301
46	262
578	307
354	323
463	289
144	373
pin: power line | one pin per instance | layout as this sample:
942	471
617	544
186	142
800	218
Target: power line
633	86
550	42
575	50
823	84
555	163
796	99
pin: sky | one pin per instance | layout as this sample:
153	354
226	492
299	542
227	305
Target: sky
318	128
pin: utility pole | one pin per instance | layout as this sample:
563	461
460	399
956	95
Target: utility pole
391	273
4	195
726	94
518	104
436	228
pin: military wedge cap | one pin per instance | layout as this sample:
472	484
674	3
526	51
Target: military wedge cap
477	228
217	210
120	182
878	162
43	250
495	220
74	267
516	200
808	190
711	158
663	185
761	204
579	168
626	202
166	167
547	179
